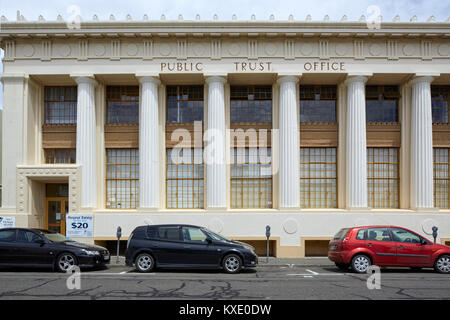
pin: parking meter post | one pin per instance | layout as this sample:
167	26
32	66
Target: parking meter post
119	234
435	230
268	243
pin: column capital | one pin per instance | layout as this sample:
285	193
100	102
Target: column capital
420	79
13	77
215	78
85	79
144	79
356	78
288	78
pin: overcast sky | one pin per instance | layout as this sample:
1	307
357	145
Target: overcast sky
353	9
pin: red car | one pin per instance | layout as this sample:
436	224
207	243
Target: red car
386	246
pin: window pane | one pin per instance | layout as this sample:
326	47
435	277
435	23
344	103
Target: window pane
122	178
383	177
440	98
317	103
60	105
382	103
184	104
122	103
251	104
441	177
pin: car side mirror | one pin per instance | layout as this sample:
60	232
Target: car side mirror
40	241
423	242
208	241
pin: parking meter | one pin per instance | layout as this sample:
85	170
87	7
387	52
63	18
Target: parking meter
119	235
267	236
435	229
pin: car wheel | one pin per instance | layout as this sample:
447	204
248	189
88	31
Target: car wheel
342	266
144	262
66	261
232	263
361	263
442	264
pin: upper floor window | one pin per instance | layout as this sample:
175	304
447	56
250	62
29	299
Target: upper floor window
440	101
382	103
317	103
184	104
60	156
122	104
60	105
251	104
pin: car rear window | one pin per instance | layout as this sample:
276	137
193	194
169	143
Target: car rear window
7	235
341	234
169	233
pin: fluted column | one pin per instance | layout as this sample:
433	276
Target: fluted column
86	140
149	143
289	183
421	190
215	152
356	153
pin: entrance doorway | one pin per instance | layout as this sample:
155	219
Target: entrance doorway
57	205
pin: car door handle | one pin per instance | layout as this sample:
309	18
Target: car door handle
400	247
369	244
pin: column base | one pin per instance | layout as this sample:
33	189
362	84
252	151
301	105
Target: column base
289	208
216	209
147	210
356	209
425	209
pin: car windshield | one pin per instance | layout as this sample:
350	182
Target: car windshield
54	236
215	236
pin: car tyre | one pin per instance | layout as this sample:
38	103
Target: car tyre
65	261
144	262
342	266
442	264
361	263
232	263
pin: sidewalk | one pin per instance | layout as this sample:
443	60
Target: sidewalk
262	262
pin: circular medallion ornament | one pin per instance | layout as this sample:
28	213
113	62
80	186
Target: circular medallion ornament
64	50
375	49
306	49
28	50
341	49
99	50
444	49
290	226
199	49
132	49
164	49
270	49
409	49
234	49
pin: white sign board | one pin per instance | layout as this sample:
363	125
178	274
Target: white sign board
80	225
7	222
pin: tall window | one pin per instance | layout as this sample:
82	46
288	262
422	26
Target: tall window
382	103
317	103
383	177
122	104
60	105
122	178
251	178
318	178
440	103
251	104
60	156
441	177
184	104
185	178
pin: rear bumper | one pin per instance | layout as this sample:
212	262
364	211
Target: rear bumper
339	257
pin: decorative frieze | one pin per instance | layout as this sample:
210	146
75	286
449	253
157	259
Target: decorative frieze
289	49
425	49
392	50
216	49
10	51
358	49
148	50
115	50
46	50
253	49
182	49
324	52
83	46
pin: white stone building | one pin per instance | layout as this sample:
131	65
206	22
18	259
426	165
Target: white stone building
347	124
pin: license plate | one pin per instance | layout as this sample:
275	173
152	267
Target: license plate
106	257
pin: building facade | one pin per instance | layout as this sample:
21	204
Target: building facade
233	125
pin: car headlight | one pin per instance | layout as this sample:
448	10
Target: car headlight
90	253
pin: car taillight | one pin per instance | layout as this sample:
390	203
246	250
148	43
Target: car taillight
129	239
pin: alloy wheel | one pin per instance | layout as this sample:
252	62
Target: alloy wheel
232	264
144	262
361	264
66	262
443	264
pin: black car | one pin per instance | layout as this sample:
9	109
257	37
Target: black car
43	248
186	246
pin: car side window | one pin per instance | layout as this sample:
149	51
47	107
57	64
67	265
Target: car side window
193	235
378	234
361	234
169	233
7	235
24	236
402	235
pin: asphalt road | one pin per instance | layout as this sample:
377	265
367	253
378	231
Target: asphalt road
290	282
